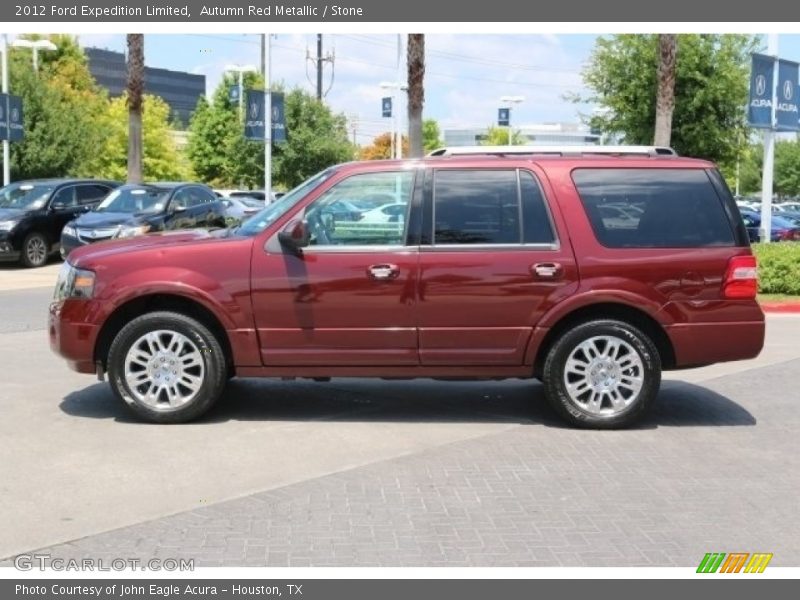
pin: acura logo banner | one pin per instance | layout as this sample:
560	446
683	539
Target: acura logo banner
759	111
786	111
12	127
255	118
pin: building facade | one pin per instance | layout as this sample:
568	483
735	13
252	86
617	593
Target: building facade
180	90
540	134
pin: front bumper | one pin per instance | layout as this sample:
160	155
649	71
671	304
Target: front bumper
7	250
71	336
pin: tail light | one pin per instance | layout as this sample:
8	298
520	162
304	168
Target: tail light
741	278
784	234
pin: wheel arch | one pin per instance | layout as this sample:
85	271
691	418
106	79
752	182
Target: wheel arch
606	310
141	305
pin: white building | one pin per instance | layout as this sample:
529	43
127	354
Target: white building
551	134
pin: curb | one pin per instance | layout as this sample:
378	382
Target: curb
781	307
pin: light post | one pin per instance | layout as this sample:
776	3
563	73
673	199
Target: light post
6	147
34	45
506	102
241	70
397	125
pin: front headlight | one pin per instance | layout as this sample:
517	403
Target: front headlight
8	225
128	231
74	283
69	230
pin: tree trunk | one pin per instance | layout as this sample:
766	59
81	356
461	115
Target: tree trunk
416	92
665	96
135	89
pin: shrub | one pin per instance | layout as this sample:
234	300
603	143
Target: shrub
778	268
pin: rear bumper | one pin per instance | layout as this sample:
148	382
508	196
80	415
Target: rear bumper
71	337
707	343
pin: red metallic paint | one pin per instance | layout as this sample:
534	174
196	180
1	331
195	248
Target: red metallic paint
448	313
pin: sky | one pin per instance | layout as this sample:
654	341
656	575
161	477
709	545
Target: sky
465	74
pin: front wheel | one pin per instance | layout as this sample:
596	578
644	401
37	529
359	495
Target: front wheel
35	250
167	367
602	374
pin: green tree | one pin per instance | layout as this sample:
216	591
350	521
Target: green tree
381	148
316	139
162	161
431	135
60	105
499	136
711	84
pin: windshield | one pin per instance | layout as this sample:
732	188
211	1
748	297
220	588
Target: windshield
135	201
24	195
262	219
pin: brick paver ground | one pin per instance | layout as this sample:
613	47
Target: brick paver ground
715	468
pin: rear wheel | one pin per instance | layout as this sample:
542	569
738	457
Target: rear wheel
35	250
167	367
602	374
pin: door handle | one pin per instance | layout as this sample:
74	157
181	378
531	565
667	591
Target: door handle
548	270
384	272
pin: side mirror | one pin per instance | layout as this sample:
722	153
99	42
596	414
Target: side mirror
178	209
58	206
295	236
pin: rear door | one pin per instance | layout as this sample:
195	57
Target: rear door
492	261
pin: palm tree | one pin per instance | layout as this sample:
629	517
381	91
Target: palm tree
135	89
665	96
416	92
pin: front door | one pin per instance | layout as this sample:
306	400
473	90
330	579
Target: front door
348	299
491	264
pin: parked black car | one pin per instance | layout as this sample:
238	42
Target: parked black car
33	213
134	209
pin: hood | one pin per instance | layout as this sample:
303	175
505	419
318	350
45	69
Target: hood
151	242
107	219
8	214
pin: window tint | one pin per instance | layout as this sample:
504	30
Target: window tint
200	196
653	208
87	194
537	228
342	217
476	207
65	197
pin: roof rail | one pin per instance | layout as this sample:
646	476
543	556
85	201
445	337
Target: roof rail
558	150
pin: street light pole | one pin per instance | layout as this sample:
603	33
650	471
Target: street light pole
267	60
6	147
241	70
765	233
509	101
35	46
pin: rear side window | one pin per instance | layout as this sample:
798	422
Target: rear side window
653	208
489	207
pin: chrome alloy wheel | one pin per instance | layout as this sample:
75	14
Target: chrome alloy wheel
604	375
36	250
164	369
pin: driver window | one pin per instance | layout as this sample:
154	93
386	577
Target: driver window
366	209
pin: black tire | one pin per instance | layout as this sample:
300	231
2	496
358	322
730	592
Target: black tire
214	374
576	411
35	250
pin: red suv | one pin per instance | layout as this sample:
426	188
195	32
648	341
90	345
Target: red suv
592	273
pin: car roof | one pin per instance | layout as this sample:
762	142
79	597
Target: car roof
64	180
492	160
